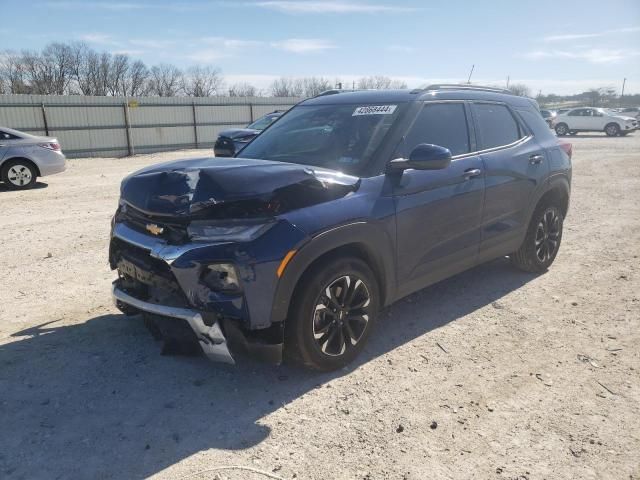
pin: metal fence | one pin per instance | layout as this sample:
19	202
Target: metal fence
118	126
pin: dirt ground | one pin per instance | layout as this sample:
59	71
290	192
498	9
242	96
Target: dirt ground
493	374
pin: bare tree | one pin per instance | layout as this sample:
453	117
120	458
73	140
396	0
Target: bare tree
287	87
135	81
380	82
202	81
315	85
165	80
80	53
57	60
243	90
520	89
117	74
12	73
75	68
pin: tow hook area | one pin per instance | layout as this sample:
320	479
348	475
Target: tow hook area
210	338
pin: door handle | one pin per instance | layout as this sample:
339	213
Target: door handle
471	172
536	159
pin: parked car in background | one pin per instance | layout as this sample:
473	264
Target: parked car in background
231	141
549	117
631	112
349	202
25	157
594	120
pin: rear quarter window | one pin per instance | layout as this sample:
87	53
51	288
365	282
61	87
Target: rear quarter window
535	123
7	136
495	125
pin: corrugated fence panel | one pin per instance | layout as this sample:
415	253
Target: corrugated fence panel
25	118
147	115
227	114
97	126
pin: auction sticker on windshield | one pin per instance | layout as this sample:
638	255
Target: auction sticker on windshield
375	110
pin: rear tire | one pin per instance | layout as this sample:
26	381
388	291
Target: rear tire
19	174
612	129
333	312
542	241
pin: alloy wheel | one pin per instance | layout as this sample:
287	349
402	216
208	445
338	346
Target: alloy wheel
340	316
547	235
19	175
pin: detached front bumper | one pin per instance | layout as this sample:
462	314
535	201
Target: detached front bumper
210	338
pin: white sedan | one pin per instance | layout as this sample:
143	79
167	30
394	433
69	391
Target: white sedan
24	157
594	120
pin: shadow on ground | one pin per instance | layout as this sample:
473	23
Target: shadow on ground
96	400
36	186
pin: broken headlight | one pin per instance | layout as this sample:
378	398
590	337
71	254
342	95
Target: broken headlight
227	231
221	277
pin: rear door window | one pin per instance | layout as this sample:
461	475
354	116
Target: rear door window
443	124
495	125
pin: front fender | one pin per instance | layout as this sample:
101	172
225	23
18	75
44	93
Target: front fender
373	238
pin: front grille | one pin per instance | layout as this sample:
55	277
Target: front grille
150	276
173	231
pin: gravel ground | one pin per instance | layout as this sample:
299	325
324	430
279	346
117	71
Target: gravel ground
491	374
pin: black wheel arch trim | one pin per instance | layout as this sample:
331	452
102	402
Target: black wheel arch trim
556	182
371	237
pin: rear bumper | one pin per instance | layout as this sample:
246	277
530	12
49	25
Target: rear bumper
210	338
52	164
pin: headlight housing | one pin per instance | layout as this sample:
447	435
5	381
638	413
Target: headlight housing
227	231
221	277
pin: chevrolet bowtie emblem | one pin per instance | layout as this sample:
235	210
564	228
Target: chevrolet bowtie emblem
154	229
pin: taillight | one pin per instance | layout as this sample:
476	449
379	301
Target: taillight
51	146
567	147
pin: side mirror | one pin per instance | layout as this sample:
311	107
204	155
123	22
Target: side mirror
423	157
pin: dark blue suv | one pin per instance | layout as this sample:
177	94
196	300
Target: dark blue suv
345	204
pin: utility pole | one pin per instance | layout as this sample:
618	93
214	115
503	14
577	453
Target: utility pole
624	81
470	73
507	82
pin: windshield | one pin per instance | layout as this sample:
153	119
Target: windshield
263	122
339	137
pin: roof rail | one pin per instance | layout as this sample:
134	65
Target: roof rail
333	91
454	86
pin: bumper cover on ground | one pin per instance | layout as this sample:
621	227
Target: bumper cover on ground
211	338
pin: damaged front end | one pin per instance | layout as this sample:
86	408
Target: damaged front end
197	246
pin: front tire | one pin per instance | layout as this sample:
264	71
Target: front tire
612	130
562	129
19	174
542	241
333	312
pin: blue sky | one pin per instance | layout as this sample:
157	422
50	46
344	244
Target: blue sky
554	46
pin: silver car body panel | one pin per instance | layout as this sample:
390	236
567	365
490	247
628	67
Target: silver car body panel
27	146
211	338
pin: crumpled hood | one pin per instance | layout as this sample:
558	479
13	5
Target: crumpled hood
239	133
226	188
